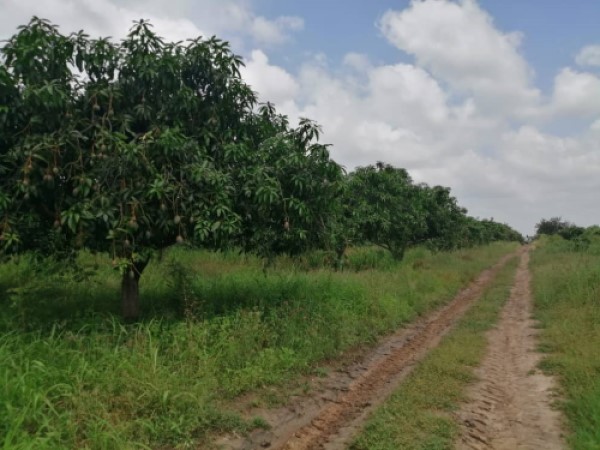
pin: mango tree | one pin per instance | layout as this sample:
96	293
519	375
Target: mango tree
385	208
554	225
445	219
292	185
134	146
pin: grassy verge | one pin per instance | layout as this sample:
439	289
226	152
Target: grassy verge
73	376
566	285
417	415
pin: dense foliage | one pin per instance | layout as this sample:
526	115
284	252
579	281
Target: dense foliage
383	206
556	225
568	236
483	231
131	147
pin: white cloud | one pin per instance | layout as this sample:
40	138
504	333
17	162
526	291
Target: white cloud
540	155
357	61
400	114
95	17
595	126
575	94
274	32
405	94
460	45
558	175
173	19
273	83
589	56
466	114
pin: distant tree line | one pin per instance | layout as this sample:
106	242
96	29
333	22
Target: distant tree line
382	205
556	225
130	147
580	238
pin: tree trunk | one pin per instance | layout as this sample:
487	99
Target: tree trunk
130	291
340	251
398	253
130	295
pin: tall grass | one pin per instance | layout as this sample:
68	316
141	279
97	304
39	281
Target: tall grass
566	285
214	327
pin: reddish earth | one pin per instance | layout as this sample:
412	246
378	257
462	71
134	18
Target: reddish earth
330	416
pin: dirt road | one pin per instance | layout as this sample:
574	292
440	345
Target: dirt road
330	417
510	407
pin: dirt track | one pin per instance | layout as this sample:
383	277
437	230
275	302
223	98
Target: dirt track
331	416
510	407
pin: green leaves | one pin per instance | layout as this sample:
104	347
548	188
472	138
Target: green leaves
267	194
112	139
134	146
112	153
288	186
381	205
71	219
150	143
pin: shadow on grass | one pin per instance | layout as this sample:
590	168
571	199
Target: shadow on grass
183	284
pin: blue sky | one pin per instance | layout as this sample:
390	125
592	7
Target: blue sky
498	99
555	30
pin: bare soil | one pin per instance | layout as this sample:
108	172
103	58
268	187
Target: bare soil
338	405
510	407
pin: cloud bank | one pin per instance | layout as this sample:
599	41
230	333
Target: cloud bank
465	113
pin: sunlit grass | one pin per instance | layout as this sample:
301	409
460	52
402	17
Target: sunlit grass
567	295
214	326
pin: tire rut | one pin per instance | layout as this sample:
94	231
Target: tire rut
330	418
511	406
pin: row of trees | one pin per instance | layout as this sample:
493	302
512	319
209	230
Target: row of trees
131	147
382	205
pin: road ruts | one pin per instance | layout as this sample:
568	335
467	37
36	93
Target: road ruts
510	407
337	421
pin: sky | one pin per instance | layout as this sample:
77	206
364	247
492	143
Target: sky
499	100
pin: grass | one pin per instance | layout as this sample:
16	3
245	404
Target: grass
418	414
566	286
72	375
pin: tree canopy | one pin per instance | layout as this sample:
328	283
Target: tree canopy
383	206
556	225
131	147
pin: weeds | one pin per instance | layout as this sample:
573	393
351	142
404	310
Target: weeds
72	375
566	286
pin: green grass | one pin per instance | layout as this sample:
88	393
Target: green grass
214	327
418	414
566	285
